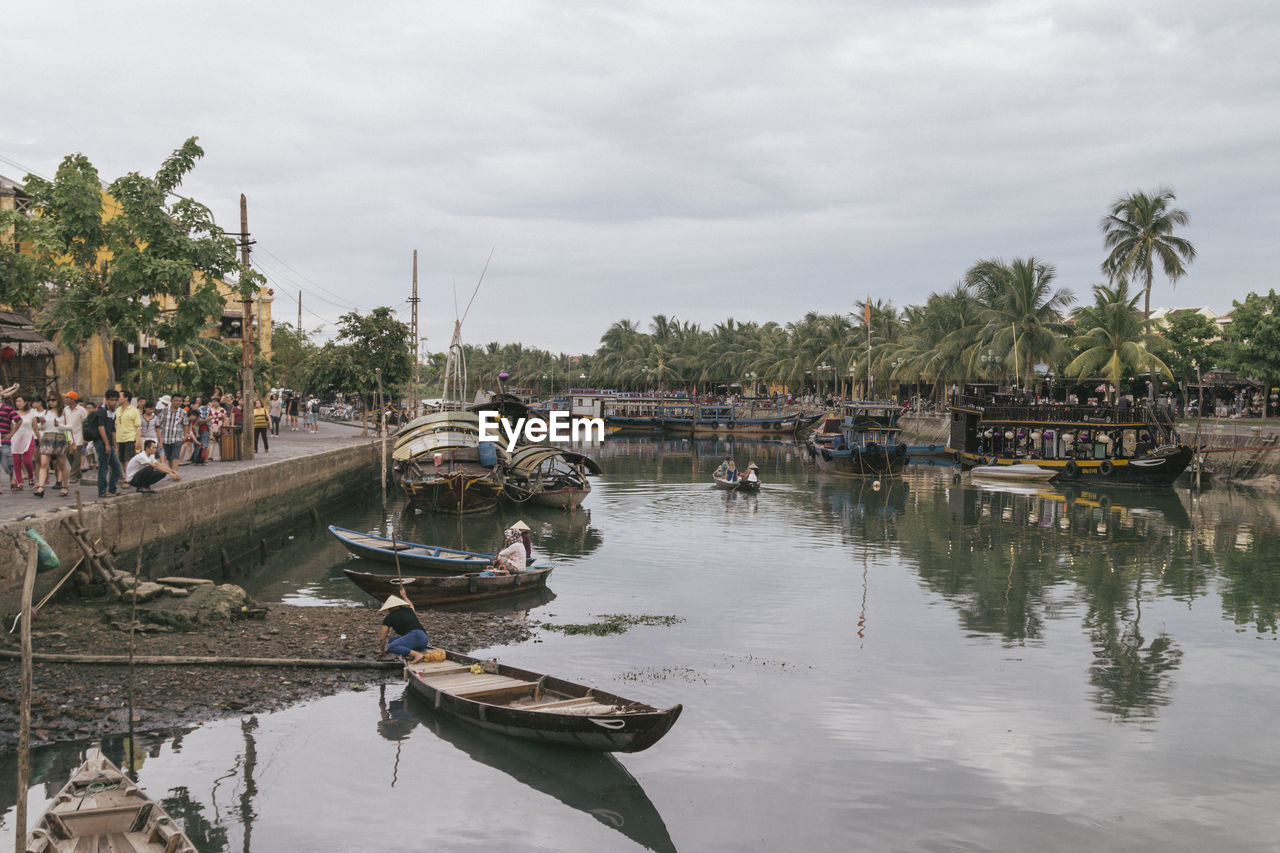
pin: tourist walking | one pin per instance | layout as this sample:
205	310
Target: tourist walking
74	414
273	410
291	409
172	424
7	415
22	441
260	425
104	445
52	427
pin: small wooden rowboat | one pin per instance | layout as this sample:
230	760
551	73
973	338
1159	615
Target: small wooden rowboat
428	591
411	554
102	809
537	707
740	485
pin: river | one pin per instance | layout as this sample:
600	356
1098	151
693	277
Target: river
926	665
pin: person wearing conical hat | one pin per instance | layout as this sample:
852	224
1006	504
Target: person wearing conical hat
524	537
400	618
751	473
511	559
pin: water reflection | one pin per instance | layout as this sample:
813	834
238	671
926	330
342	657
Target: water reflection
591	782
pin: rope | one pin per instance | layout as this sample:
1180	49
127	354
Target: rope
96	787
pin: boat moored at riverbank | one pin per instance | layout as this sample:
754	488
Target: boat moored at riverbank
869	443
441	464
1133	445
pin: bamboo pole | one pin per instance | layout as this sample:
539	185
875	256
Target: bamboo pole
181	660
24	702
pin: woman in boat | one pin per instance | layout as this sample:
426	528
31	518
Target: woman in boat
524	538
751	473
400	618
723	470
731	472
511	558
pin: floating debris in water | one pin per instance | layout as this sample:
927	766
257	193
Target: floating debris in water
611	623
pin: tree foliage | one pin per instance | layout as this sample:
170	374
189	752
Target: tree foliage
1253	337
135	259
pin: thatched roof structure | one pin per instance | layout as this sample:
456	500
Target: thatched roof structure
20	333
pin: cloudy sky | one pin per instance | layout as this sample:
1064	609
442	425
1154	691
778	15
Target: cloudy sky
754	160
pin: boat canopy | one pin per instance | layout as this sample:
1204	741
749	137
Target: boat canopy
527	459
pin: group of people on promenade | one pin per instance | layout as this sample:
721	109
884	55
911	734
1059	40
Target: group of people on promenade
50	441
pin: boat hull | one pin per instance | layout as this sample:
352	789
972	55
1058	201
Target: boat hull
454	589
735	486
860	462
619	726
1160	467
410	555
459	493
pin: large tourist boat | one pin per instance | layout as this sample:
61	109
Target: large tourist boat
869	443
441	464
724	419
1126	444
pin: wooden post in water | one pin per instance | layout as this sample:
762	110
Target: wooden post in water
382	414
24	703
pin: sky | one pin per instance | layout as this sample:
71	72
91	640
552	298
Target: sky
753	160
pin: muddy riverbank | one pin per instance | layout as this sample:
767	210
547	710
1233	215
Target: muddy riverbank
79	701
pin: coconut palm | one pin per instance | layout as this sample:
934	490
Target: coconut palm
1138	231
1022	311
1112	337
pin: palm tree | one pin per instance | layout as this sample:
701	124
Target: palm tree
1139	231
1113	338
1023	312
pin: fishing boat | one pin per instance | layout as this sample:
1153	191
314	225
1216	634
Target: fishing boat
549	476
453	589
1134	445
441	464
410	555
102	809
738	485
1022	472
534	706
869	444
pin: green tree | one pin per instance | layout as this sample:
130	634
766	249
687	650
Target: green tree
364	343
1253	338
1112	337
1022	311
1138	233
139	259
291	353
1192	346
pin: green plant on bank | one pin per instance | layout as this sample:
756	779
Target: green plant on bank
611	623
1112	338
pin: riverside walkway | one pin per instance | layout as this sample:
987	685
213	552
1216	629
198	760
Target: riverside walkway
23	505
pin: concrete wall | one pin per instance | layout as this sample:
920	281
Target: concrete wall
196	527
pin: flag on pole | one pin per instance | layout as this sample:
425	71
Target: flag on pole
866	315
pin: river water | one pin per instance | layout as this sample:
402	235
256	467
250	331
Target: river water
927	665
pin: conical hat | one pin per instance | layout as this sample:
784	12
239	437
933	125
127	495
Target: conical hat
520	525
392	602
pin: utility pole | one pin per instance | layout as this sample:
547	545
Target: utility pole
413	338
299	315
246	338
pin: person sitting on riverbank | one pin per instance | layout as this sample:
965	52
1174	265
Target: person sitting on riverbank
401	618
144	470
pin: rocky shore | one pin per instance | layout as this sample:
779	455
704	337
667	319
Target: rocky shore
79	701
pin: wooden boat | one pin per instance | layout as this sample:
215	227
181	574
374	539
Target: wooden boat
431	591
1134	445
739	485
441	464
538	707
411	555
102	809
733	420
549	476
869	444
1023	472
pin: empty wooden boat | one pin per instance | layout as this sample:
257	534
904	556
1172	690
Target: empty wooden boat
431	591
411	555
1020	471
537	707
102	809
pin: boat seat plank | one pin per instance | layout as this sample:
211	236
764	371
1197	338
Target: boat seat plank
440	667
455	684
563	703
497	690
378	543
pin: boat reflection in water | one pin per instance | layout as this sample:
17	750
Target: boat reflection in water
592	782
